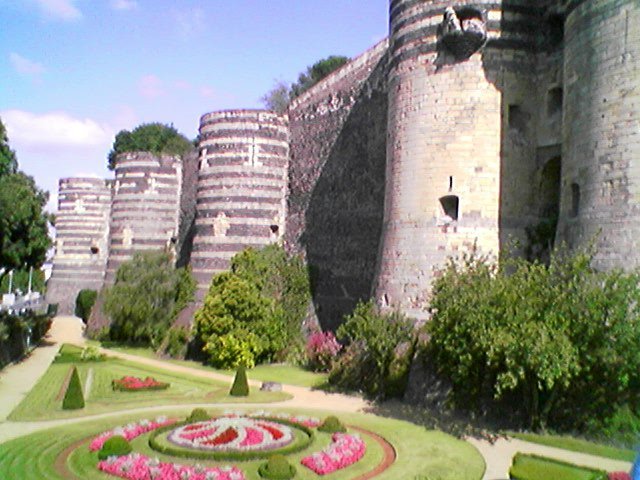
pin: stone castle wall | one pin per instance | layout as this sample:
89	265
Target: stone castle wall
424	146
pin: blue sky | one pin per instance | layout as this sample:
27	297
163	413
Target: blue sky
75	72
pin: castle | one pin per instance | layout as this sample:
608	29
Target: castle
474	122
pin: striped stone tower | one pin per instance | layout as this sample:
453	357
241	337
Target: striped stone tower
455	67
146	206
82	225
242	185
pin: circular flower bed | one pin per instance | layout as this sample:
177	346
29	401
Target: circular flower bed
232	438
232	434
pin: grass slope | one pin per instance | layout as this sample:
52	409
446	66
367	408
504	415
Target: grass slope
41	402
578	445
421	453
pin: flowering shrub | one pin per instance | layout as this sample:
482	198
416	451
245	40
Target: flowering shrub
135	384
140	467
343	451
130	431
322	348
232	434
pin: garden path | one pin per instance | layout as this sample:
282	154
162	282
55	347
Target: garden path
16	380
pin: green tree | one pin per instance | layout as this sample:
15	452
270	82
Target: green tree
142	302
280	96
156	138
8	161
20	281
24	238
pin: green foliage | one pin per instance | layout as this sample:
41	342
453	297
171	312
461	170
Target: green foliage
8	161
84	303
533	467
145	298
277	468
254	313
24	236
280	96
21	281
621	427
156	138
555	341
379	352
116	446
240	387
331	424
198	415
175	342
92	354
73	398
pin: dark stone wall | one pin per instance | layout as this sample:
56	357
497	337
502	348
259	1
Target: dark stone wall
336	182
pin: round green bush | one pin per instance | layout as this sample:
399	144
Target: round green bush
84	303
332	425
198	415
277	468
115	446
240	387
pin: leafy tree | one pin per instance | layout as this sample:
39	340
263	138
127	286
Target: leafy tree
254	312
553	341
20	281
8	161
24	238
279	97
156	138
143	301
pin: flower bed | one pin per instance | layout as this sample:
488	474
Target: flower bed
343	451
135	384
304	420
130	431
140	467
232	434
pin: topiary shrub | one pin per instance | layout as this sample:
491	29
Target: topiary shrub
277	468
240	387
73	398
331	424
198	415
115	446
84	303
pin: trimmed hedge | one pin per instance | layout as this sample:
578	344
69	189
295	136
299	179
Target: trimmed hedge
534	467
84	303
331	424
240	387
198	415
277	468
295	447
115	446
73	398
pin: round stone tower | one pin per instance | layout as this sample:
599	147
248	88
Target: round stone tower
454	80
146	206
601	131
82	225
242	184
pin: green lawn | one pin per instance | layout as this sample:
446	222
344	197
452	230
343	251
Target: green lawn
421	453
578	445
42	403
282	373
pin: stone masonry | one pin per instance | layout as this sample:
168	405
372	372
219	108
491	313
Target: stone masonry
488	124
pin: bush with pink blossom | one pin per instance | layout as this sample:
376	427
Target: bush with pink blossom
322	348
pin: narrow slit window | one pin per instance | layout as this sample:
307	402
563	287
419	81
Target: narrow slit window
450	205
554	101
575	200
450	184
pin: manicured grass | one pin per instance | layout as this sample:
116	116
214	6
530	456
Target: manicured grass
282	373
578	445
42	403
533	467
421	453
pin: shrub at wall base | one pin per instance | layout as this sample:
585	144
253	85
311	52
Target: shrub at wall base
73	398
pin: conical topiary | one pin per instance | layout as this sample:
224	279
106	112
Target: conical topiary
240	387
73	398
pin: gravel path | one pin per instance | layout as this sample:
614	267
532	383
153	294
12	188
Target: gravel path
18	379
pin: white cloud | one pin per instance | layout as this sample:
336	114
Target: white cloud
151	86
24	66
60	9
123	4
58	129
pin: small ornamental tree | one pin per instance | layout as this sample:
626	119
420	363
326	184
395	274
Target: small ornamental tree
73	397
240	387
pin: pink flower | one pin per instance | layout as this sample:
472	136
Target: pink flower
343	451
322	347
130	431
